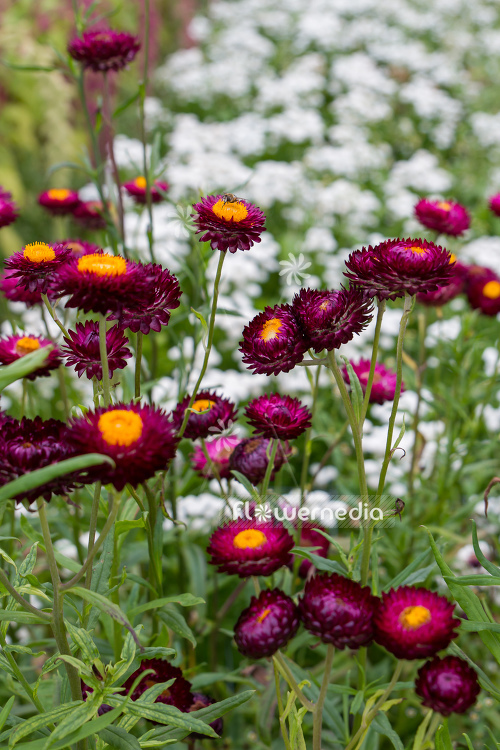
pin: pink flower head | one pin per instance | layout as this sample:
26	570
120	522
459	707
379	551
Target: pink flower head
104	50
276	416
219	452
228	222
384	380
82	350
37	265
445	217
248	548
208	413
494	204
483	290
90	214
266	625
14	292
13	348
272	341
8	209
79	247
137	189
452	289
447	685
59	201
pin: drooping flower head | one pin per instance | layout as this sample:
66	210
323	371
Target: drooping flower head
251	458
79	247
310	537
139	438
178	694
228	222
59	201
82	350
248	548
104	50
448	685
37	265
32	444
494	204
384	380
414	623
276	416
338	611
8	209
137	189
14	292
443	294
13	348
152	311
445	217
203	701
394	267
272	342
266	625
329	319
90	214
209	412
483	290
219	452
102	283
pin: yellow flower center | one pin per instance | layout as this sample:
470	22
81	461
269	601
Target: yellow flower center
417	249
203	404
27	345
58	194
412	618
38	252
249	539
102	264
140	182
492	289
263	616
270	329
120	427
230	211
444	205
453	258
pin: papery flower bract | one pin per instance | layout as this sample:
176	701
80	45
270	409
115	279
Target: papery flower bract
219	452
203	701
272	342
178	694
443	294
250	458
207	411
249	548
90	214
59	201
338	611
266	624
384	380
152	311
310	537
276	416
445	217
14	292
32	444
139	438
79	247
448	685
494	204
414	623
396	267
36	265
137	189
102	283
228	225
328	319
104	50
483	290
13	348
8	209
82	350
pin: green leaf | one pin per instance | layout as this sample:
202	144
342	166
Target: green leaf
113	610
469	743
41	720
442	739
73	721
119	738
470	626
204	326
474	580
382	725
422	728
23	366
126	104
246	484
401	578
23	618
356	390
176	622
101	571
83	640
29	562
4	714
487	564
185	600
65	562
321	563
485	681
164	714
123	527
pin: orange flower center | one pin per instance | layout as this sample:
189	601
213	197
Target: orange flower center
140	182
492	290
230	211
412	618
102	264
38	252
453	258
417	249
75	247
120	427
263	616
27	345
270	329
58	194
444	205
202	405
249	539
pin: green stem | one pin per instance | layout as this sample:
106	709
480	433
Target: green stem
20	677
104	360
151	528
92	529
142	123
308	441
24	398
287	674
114	167
371	715
53	315
19	599
211	327
64	391
318	708
380	314
422	328
433	727
138	362
272	449
284	733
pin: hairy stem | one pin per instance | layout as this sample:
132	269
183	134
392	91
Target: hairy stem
288	676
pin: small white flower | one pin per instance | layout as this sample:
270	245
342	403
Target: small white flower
182	223
263	512
294	269
225	432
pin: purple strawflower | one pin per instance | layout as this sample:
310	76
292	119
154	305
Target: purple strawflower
82	350
79	247
443	294
13	348
251	458
59	202
37	265
104	50
445	217
267	624
447	685
228	224
137	189
483	290
248	548
209	414
8	209
384	380
276	416
14	292
178	694
272	342
90	214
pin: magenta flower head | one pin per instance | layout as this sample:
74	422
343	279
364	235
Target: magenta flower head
444	294
266	625
102	283
338	611
394	267
139	438
104	50
210	414
228	222
494	204
82	350
59	201
37	265
329	319
79	247
449	685
15	293
251	458
445	217
272	342
152	311
33	444
178	694
137	189
13	348
414	623
310	537
203	701
248	548
8	209
276	416
483	290
90	214
219	452
384	380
